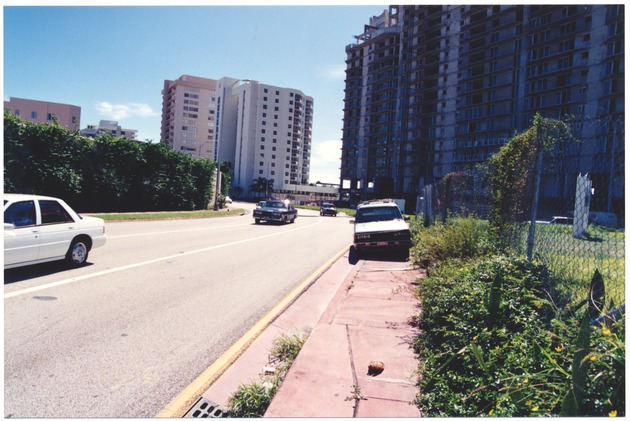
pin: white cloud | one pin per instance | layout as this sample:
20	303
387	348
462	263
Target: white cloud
124	111
335	72
325	161
327	151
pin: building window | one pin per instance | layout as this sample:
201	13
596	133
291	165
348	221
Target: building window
34	115
50	117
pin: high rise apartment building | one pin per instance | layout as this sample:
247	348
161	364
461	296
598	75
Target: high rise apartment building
68	116
433	89
273	135
189	114
264	130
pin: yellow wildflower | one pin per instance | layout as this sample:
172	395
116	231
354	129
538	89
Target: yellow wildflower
526	381
606	331
528	403
558	349
491	412
593	357
612	413
535	409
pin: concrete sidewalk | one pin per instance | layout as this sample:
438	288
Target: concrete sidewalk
358	313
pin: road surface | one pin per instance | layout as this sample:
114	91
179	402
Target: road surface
156	306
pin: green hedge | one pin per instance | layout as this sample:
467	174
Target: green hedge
105	174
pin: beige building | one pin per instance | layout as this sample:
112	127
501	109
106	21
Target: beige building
111	127
68	116
264	130
189	106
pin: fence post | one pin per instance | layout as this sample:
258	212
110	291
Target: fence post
428	205
534	214
582	205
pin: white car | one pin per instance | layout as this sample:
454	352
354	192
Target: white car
40	229
379	224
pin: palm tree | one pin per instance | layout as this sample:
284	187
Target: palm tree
269	187
262	185
259	185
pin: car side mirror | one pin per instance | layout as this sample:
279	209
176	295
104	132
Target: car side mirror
9	227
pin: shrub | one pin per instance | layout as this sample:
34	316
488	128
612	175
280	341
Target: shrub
456	238
495	343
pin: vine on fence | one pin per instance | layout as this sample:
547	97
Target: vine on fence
513	169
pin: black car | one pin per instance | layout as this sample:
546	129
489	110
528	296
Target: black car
327	209
275	211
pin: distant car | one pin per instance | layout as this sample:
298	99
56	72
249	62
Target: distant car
380	224
557	220
327	209
40	229
275	211
228	200
607	219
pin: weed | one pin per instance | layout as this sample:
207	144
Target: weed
495	343
356	394
252	400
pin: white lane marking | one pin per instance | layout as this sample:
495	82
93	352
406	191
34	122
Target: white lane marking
109	237
148	262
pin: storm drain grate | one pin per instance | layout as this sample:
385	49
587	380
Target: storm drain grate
206	409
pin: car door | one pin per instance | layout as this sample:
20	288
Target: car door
21	233
57	229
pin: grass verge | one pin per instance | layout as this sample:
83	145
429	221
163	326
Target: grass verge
141	216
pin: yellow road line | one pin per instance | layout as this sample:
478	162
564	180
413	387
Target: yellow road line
178	407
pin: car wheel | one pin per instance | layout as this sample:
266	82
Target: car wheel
77	253
293	219
285	219
257	221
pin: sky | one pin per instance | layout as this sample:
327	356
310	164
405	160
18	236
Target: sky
112	59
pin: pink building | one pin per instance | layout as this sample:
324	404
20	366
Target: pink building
68	116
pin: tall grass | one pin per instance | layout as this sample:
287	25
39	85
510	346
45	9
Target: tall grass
573	261
497	338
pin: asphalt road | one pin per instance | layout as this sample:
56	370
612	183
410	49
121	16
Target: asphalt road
156	306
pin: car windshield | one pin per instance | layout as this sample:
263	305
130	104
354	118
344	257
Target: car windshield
275	204
377	214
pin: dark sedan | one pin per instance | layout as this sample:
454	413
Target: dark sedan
281	211
327	209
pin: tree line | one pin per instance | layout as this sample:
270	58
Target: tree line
104	174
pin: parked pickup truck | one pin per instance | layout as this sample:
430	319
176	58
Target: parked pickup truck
379	224
281	211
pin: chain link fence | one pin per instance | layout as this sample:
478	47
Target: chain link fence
573	222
